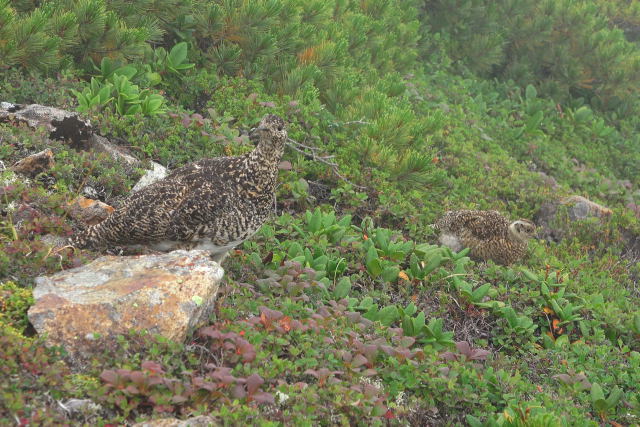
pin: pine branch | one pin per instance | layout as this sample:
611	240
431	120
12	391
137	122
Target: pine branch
312	153
353	122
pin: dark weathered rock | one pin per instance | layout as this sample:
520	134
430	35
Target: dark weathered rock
64	125
168	294
61	124
34	164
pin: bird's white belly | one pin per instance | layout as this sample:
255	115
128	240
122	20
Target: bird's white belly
204	244
451	241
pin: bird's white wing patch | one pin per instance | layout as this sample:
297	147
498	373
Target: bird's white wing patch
451	241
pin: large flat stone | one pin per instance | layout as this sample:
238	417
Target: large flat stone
168	294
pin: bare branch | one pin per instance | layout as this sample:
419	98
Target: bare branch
353	122
313	154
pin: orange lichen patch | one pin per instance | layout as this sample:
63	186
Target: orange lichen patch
89	211
114	295
35	163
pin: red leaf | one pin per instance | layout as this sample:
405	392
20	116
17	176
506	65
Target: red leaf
389	414
254	381
263	397
238	391
132	389
358	361
109	376
152	367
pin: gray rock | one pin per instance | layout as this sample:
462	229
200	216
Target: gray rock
583	208
61	124
158	172
102	144
199	421
169	294
552	226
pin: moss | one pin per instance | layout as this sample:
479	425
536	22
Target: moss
14	303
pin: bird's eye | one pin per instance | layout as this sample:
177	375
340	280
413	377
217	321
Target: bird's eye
280	127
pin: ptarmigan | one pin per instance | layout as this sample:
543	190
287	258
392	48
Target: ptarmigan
212	204
487	234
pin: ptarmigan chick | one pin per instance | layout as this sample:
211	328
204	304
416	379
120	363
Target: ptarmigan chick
212	204
487	234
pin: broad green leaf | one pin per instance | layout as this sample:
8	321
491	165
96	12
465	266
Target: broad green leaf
388	315
530	275
133	109
583	114
374	267
596	392
479	293
342	288
614	397
407	326
390	274
366	303
315	221
372	254
178	54
294	250
127	71
531	93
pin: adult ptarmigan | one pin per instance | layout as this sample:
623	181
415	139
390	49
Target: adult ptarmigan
212	204
488	234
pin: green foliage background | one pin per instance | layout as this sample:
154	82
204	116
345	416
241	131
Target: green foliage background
425	106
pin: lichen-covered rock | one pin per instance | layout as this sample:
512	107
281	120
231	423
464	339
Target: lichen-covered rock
89	211
167	294
34	164
61	124
199	421
552	226
158	172
103	145
583	208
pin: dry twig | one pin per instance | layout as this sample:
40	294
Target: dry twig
313	154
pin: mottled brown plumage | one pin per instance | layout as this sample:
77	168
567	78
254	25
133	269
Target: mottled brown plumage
212	204
487	234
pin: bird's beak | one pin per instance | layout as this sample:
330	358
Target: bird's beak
254	133
256	129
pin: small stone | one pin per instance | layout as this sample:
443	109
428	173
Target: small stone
114	294
34	164
89	211
73	406
199	421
